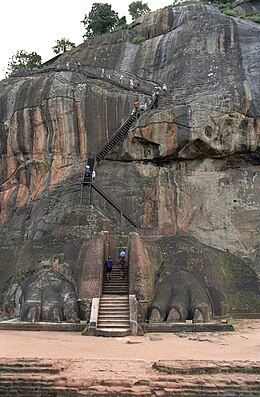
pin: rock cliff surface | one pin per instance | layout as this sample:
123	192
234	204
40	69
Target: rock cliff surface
246	6
190	167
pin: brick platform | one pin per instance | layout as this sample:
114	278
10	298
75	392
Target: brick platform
42	326
113	378
185	327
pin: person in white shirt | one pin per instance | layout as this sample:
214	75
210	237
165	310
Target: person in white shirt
165	89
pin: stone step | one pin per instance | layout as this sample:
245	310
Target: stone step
114	303
116	288
114	279
113	300
118	293
112	288
111	316
110	284
113	324
112	308
104	331
107	305
116	297
112	291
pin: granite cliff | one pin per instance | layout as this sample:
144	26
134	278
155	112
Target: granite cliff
190	167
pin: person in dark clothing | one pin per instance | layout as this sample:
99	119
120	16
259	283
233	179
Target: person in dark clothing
122	267
87	174
108	267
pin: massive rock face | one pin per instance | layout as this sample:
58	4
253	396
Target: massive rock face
190	167
246	6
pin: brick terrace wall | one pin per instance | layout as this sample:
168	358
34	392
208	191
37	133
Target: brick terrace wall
140	274
92	273
58	378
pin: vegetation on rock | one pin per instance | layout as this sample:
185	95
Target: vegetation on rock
137	9
23	60
100	20
252	16
138	39
63	45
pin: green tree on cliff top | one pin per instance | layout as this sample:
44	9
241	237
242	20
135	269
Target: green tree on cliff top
100	20
138	8
23	60
63	45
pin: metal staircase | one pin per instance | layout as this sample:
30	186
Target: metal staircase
88	181
91	162
115	205
118	136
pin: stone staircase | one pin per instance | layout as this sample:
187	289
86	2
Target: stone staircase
113	315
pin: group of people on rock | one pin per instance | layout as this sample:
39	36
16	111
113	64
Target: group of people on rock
133	83
89	175
109	265
150	103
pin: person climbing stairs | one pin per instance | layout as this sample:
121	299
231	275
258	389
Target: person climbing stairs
113	316
118	136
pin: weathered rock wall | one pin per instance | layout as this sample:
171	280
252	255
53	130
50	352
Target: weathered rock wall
189	167
246	6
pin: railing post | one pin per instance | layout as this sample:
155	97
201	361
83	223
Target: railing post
133	315
90	193
81	194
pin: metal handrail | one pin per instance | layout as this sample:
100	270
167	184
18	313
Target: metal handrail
115	205
116	136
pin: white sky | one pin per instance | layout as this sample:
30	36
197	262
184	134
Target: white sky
36	25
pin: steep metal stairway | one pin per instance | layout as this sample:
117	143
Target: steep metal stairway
122	212
91	162
113	315
118	136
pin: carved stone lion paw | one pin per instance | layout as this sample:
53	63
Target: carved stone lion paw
179	296
49	296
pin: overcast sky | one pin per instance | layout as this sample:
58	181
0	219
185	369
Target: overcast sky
36	25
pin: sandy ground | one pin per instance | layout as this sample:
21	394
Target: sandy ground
242	344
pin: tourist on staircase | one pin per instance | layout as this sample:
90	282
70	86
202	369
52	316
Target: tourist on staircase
165	89
108	267
136	108
131	84
87	174
93	175
122	254
122	268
